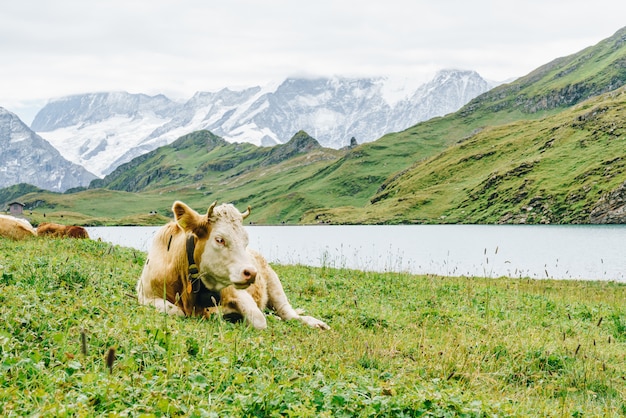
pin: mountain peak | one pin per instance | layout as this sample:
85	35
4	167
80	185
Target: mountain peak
92	108
302	142
199	139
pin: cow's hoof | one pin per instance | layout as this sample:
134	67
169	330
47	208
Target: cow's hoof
313	322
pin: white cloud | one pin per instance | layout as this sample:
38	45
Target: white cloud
52	49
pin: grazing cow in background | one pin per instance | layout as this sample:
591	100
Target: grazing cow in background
75	231
58	230
199	261
15	228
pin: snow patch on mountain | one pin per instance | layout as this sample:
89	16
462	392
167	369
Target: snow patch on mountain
98	145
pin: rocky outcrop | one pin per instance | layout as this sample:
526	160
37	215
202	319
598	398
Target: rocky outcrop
611	208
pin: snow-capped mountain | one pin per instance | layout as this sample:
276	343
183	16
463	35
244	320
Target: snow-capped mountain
447	92
103	130
27	158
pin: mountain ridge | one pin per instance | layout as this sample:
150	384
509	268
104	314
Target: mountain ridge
202	157
104	130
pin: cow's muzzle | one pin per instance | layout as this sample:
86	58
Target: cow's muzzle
248	276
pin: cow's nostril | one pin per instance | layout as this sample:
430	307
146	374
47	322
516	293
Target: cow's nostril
249	275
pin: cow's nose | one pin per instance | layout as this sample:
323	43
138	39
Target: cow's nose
248	275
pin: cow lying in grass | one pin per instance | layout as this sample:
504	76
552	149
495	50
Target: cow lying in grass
58	230
199	261
15	228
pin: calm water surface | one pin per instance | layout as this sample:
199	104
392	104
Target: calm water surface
537	251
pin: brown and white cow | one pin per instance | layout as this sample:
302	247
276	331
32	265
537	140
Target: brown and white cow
15	228
58	230
198	260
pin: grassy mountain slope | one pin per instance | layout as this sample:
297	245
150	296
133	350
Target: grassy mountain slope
206	159
550	170
11	193
563	82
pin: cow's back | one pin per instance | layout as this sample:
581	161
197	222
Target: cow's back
167	242
14	228
77	232
49	229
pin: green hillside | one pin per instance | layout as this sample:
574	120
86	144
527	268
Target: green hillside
563	82
551	170
197	168
502	141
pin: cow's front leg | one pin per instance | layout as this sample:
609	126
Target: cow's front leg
279	302
164	306
241	302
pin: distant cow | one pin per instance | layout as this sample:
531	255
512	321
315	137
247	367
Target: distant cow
58	230
198	260
15	228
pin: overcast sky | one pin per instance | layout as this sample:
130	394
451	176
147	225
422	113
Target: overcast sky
56	48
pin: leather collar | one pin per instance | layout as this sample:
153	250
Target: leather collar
205	297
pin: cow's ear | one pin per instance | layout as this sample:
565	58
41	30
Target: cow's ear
184	215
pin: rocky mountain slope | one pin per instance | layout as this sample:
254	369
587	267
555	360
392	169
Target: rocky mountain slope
103	130
27	158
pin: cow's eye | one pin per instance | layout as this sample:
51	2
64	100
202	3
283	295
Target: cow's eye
220	240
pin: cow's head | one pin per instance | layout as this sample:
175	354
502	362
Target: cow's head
221	245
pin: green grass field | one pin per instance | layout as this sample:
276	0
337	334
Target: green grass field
75	342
